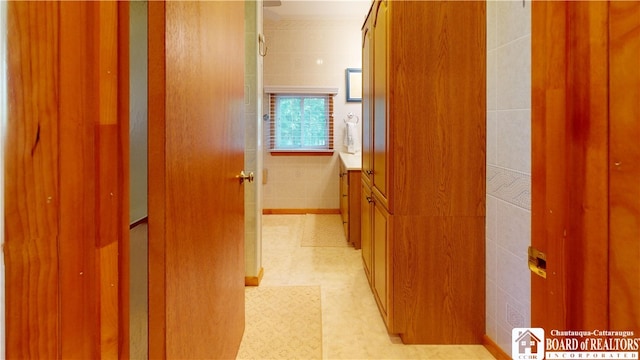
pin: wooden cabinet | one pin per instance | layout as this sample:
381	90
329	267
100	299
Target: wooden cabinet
350	197
382	261
380	119
423	188
365	232
367	103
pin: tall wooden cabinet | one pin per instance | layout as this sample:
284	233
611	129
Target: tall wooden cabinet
423	168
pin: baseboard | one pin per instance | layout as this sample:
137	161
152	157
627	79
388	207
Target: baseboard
494	349
254	280
299	211
138	222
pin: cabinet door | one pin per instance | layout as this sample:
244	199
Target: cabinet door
381	260
380	117
365	226
354	181
367	103
344	199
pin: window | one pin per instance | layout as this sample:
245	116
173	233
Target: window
301	122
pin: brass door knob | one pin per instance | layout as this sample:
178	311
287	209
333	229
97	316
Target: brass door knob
242	177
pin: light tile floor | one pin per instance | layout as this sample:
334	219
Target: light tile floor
351	324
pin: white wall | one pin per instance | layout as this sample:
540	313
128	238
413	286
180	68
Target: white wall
310	53
3	123
138	111
508	168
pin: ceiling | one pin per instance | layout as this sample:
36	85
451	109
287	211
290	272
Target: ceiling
317	9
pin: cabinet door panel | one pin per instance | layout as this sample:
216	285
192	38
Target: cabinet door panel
381	260
344	199
354	180
380	117
366	231
367	105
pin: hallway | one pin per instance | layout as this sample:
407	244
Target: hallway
352	328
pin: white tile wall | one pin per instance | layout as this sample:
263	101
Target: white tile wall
310	53
514	140
508	168
513	228
514	74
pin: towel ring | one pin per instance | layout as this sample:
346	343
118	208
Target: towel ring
350	116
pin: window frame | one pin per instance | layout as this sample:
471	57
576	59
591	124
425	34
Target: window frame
329	108
276	92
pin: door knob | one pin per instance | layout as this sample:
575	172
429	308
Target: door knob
242	177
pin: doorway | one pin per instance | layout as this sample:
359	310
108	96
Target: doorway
138	127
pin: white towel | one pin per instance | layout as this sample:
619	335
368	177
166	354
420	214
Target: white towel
351	137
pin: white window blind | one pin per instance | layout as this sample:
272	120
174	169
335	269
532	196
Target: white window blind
300	121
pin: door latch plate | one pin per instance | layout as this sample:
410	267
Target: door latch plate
537	262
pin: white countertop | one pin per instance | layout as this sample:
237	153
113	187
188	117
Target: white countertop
351	161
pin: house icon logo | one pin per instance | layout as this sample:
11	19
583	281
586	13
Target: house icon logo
527	343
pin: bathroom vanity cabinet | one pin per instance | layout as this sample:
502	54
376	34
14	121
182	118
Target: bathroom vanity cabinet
423	168
350	165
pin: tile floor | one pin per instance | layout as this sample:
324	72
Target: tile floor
351	324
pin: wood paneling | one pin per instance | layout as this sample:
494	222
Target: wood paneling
32	191
586	143
197	219
586	194
79	267
624	165
67	137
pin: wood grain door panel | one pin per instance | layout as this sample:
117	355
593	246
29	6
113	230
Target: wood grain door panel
382	263
196	222
380	145
367	105
365	226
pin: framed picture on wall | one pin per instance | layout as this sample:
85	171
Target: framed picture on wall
354	85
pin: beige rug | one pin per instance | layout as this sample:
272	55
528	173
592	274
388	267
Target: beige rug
323	230
282	322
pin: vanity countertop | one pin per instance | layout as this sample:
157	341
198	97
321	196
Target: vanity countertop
351	161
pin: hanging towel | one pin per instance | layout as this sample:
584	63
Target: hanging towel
351	137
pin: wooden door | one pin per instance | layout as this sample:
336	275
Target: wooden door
586	194
66	191
196	148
